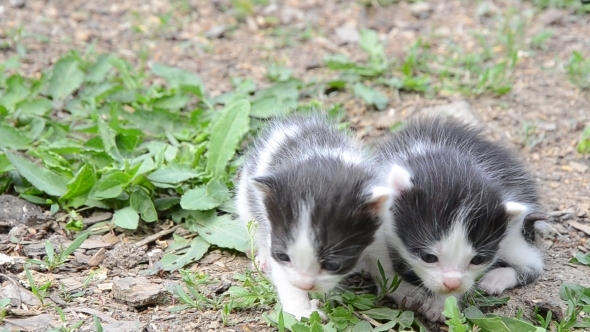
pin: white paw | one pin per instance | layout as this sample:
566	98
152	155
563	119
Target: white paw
432	309
307	311
494	282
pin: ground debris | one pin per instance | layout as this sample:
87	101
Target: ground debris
138	291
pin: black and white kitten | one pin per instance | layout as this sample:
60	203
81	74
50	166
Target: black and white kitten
318	205
464	214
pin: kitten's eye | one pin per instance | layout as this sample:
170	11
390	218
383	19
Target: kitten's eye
477	260
428	258
283	257
330	266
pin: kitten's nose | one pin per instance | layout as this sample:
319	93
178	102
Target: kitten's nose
304	286
452	283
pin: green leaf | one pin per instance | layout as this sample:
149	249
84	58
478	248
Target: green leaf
502	324
41	178
451	310
99	71
198	248
385	327
226	134
142	203
107	135
16	91
371	96
4	302
177	77
223	231
66	78
382	313
10	138
126	218
81	184
38	106
266	108
111	185
75	245
171	102
362	326
173	174
165	203
218	190
198	199
581	258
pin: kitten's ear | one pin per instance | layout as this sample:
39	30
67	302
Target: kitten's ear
399	179
263	184
380	196
514	209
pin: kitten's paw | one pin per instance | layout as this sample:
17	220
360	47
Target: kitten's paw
495	281
307	311
432	309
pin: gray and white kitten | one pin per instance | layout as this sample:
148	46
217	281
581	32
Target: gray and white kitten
318	205
468	210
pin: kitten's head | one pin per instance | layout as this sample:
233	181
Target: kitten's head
323	214
450	223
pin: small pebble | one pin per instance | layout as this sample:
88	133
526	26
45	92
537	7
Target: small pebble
17	3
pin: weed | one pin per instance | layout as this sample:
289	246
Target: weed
584	143
578	70
531	137
40	292
54	260
4	308
65	327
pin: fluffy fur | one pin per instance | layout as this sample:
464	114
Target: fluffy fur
462	216
318	206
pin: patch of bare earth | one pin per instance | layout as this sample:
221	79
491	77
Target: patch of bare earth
206	38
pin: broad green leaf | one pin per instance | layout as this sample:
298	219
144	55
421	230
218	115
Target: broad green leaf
11	138
226	135
581	258
223	231
173	174
197	249
266	108
107	135
16	92
406	319
165	203
385	327
382	313
126	218
371	96
171	102
362	326
177	77
37	127
451	310
81	184
5	164
38	106
4	302
99	71
142	203
502	324
41	178
198	199
111	185
66	78
218	190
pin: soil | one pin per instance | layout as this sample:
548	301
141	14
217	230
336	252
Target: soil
217	43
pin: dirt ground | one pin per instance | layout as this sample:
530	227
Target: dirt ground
205	38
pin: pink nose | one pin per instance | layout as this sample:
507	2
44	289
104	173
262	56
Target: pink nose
304	286
452	284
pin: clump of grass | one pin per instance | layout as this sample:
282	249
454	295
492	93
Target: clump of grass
578	70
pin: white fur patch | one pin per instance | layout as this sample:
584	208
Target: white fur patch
399	178
515	209
495	281
276	139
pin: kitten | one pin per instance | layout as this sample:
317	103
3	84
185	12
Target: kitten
462	216
319	208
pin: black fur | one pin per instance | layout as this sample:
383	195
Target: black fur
454	170
335	192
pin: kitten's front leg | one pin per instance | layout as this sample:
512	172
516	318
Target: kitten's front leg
433	307
408	296
525	264
294	300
